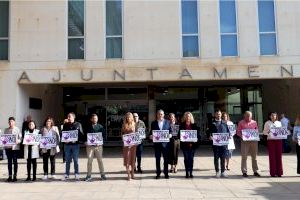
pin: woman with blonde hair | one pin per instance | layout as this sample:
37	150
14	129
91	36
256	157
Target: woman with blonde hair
189	148
129	152
296	134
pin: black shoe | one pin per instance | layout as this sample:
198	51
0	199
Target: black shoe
157	177
186	176
191	176
167	176
256	174
140	170
15	179
9	180
134	169
34	179
28	179
245	175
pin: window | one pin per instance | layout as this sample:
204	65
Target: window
76	29
228	28
4	21
189	18
114	30
267	28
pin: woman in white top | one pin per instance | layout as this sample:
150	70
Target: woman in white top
274	146
51	131
31	152
231	145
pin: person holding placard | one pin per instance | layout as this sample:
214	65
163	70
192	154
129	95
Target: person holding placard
296	139
160	134
187	145
231	145
31	149
274	145
219	126
174	143
129	152
72	134
141	128
51	131
248	146
12	151
94	147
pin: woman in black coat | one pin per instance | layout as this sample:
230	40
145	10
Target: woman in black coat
188	148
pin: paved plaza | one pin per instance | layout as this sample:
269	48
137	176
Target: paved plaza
203	186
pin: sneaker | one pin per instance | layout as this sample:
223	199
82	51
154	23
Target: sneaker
103	177
223	175
77	178
53	177
88	179
45	177
218	175
65	178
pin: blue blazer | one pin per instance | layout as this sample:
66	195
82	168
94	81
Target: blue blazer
166	126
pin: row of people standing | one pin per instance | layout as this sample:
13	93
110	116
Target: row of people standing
71	149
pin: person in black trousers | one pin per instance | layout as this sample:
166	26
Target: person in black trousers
189	148
296	134
219	126
161	147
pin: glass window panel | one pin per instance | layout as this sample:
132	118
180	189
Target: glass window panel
229	45
113	18
3	49
190	46
76	48
227	16
189	16
114	47
4	13
76	18
266	15
268	44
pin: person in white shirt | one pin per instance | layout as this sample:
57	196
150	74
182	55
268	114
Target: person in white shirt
231	145
274	146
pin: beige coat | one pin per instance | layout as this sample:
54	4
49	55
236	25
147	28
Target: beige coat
55	133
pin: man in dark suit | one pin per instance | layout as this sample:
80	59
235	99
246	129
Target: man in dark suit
161	147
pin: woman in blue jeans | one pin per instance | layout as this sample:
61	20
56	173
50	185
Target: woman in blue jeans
188	148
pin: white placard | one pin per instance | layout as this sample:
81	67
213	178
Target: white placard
131	139
175	129
160	136
142	133
48	142
69	136
278	133
188	136
232	129
94	139
250	135
220	139
8	140
31	139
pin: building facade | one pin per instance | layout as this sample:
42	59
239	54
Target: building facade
111	57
